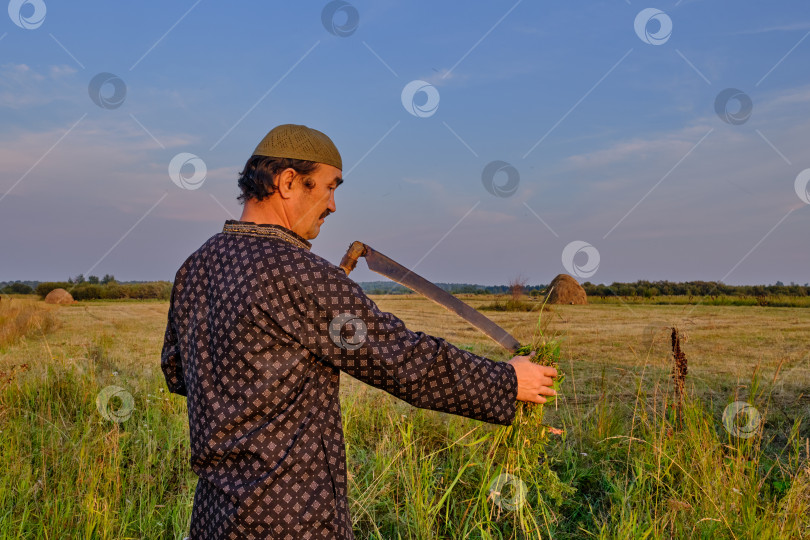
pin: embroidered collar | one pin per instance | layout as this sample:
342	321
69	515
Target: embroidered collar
265	230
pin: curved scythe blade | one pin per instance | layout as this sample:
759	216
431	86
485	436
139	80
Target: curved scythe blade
395	271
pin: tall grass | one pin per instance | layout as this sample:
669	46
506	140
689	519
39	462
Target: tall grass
22	317
609	476
644	469
69	473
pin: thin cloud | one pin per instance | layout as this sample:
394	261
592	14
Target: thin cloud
792	27
436	189
444	77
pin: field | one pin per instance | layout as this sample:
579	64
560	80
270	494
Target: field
626	465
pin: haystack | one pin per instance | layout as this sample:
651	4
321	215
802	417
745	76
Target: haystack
565	290
59	296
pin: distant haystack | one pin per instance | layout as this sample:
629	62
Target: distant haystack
565	290
59	296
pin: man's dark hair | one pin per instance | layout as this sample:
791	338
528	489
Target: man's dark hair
258	179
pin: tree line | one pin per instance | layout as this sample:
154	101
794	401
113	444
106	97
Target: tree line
641	288
694	288
94	287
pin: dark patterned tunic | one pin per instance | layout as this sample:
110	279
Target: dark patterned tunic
259	330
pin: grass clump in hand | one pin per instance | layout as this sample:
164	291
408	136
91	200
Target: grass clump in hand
524	489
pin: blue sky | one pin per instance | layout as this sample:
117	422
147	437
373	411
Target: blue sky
611	136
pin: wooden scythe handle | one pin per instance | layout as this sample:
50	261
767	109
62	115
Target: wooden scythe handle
349	260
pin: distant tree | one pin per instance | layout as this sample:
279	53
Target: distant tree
93	279
78	279
17	288
108	278
516	287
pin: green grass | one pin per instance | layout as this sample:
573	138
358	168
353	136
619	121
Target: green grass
610	477
511	305
622	467
67	470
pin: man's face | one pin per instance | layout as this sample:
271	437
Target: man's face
311	207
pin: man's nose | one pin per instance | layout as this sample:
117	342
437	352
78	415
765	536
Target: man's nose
331	206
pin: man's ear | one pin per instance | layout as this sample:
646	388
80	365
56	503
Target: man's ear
284	182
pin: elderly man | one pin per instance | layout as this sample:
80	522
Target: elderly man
248	342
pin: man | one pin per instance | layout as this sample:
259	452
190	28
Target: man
251	342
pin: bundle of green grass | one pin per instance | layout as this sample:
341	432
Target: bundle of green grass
525	484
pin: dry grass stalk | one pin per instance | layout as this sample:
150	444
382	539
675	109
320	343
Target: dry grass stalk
679	370
516	287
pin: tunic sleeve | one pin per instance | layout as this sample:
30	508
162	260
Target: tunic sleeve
317	305
170	360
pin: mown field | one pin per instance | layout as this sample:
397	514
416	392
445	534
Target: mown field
624	466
